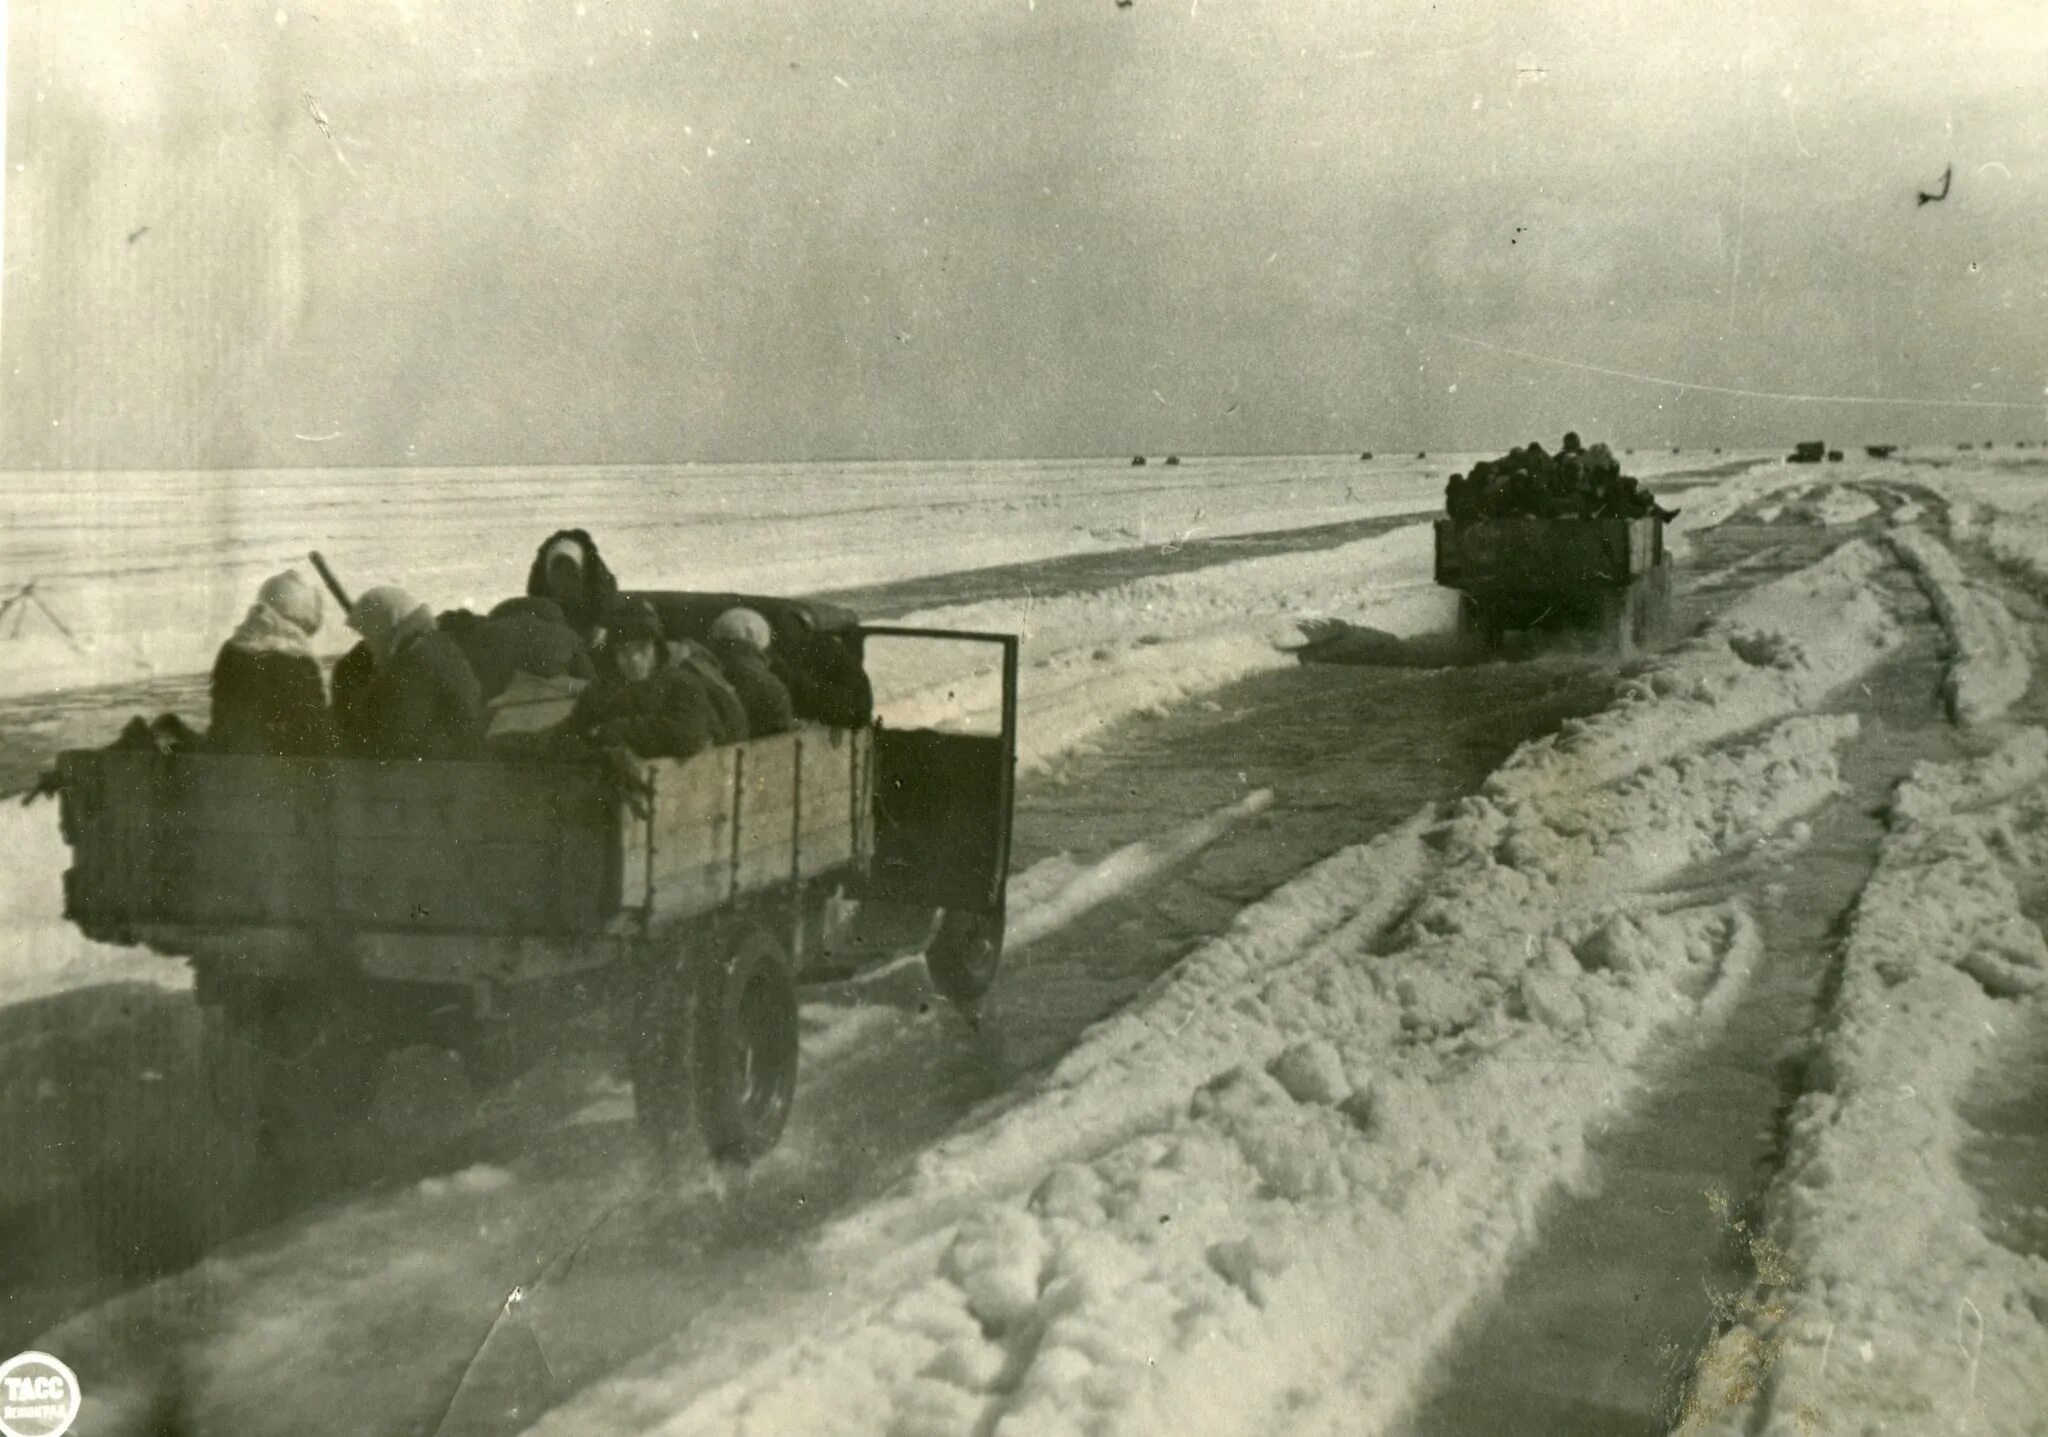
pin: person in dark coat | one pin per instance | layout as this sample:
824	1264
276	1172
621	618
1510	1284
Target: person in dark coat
520	636
641	701
825	680
1462	498
415	695
568	570
1522	494
729	712
266	688
741	639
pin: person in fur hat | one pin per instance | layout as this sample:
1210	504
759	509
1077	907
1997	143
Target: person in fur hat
520	636
266	688
641	700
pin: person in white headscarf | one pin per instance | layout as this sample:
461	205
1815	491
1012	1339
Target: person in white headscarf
411	693
266	689
741	639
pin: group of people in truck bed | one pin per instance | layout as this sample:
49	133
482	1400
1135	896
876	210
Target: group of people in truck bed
1574	483
421	686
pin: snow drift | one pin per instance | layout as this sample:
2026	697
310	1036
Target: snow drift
1323	1134
1885	1304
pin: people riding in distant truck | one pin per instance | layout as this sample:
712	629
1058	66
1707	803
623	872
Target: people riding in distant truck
266	688
741	639
406	691
524	635
568	569
641	700
1575	483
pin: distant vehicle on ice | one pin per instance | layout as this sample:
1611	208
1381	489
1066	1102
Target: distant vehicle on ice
1808	451
1522	572
1534	541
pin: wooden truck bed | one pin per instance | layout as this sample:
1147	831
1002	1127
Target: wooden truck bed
449	871
1538	556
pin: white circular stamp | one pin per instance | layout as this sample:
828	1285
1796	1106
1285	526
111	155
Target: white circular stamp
38	1396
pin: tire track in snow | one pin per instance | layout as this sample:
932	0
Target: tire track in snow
1319	736
1077	1309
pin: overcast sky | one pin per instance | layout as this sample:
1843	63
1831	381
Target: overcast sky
533	230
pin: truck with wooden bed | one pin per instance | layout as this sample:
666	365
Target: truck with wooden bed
336	909
1608	576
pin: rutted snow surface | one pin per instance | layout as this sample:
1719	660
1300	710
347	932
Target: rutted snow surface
1321	1135
1885	1306
1313	1145
1992	655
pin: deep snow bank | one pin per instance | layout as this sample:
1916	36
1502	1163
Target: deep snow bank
1778	650
1886	1306
1710	508
1991	656
1316	1142
2020	542
1830	505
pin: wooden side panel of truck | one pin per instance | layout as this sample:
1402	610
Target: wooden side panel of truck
184	850
313	896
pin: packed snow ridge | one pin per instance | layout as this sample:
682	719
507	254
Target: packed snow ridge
1991	656
1884	1304
1316	1143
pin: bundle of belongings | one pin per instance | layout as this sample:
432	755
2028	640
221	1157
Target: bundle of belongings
1574	483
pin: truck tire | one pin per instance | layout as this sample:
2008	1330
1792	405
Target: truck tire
231	1069
1618	619
743	1046
657	1042
1476	623
285	1074
963	958
1654	607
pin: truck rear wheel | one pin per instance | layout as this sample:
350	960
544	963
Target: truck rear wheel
1477	623
1653	612
1619	619
964	956
743	1046
658	1054
285	1073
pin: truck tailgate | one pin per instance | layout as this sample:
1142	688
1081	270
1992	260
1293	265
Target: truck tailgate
1534	555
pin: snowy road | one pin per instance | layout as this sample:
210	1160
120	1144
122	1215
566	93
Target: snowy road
1058	1223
